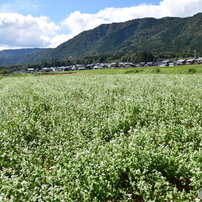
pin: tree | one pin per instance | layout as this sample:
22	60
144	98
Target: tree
144	56
4	71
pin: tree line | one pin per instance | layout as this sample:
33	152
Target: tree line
130	56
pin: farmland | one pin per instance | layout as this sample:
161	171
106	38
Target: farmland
129	137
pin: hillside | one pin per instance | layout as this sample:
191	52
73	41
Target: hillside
171	34
166	34
21	56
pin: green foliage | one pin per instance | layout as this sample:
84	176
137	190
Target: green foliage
184	69
155	70
173	35
166	37
4	71
21	56
101	138
191	70
144	56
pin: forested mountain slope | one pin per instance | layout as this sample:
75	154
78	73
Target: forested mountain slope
171	34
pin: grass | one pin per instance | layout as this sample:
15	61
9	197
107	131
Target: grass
186	69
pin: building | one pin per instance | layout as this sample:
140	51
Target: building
181	62
30	70
190	61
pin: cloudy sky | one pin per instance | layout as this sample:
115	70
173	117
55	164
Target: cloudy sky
46	23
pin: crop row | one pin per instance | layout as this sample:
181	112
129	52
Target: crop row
101	138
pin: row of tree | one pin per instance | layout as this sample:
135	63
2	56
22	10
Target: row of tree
130	56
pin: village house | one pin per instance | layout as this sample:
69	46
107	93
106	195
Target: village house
199	60
54	69
66	69
173	63
88	67
165	63
190	61
181	62
73	68
113	65
142	64
81	67
30	70
125	64
149	64
104	65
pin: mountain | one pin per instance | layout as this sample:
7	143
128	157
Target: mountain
18	52
21	56
165	34
168	34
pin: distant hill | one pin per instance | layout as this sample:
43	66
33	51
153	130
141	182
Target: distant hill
171	34
21	56
17	52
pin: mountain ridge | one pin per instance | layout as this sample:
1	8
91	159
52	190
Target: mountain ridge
165	34
170	34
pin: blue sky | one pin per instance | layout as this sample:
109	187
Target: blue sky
47	23
58	10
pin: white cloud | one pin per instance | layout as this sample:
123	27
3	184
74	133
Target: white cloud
59	39
18	30
77	22
181	8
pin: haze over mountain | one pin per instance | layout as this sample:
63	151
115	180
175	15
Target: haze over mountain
170	34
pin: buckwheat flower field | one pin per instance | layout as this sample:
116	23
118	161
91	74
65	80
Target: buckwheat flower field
101	138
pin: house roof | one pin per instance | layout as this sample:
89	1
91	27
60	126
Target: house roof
190	60
165	61
199	59
182	60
